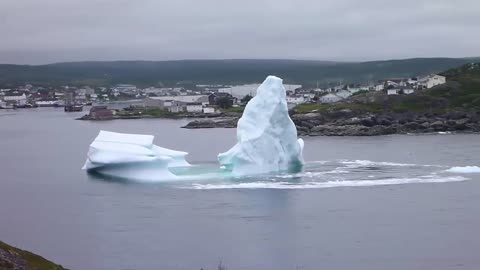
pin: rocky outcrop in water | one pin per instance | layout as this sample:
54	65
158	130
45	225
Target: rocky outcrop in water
213	123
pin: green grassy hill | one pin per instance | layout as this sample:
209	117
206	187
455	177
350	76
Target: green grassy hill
14	258
461	92
145	73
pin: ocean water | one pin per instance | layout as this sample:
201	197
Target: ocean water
389	202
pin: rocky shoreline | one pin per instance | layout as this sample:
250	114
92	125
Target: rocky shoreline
348	123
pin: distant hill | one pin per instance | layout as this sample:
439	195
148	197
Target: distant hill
145	73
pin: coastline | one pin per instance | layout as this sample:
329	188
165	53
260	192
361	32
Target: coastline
347	123
18	259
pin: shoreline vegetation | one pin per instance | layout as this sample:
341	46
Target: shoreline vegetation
12	258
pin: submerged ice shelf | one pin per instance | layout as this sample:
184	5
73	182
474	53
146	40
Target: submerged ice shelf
267	142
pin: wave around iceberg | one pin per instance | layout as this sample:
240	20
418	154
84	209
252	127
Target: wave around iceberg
329	184
466	169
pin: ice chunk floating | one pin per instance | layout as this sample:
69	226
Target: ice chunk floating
267	137
132	156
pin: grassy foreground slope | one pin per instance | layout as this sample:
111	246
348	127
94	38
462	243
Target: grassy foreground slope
14	258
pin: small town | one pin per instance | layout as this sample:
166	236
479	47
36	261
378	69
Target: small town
130	101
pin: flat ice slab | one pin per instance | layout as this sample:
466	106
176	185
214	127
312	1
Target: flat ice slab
132	156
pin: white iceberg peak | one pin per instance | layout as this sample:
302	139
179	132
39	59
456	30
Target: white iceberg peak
267	137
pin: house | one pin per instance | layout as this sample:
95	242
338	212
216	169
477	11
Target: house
208	110
185	99
194	107
240	91
430	81
125	87
213	98
175	106
412	81
329	98
3	104
16	100
101	112
296	99
393	91
80	99
392	83
408	91
379	87
400	91
203	99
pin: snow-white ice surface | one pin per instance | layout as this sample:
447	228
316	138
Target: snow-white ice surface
466	169
132	156
267	137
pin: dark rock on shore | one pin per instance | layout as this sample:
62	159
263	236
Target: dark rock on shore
213	123
344	123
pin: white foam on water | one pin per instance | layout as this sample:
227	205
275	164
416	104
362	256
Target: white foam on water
311	174
466	169
329	184
353	163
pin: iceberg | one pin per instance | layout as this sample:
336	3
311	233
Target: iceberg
132	156
267	137
266	142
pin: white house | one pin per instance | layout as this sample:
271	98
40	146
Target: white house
379	87
174	106
194	107
3	104
392	83
408	91
392	91
240	91
19	101
296	99
208	110
412	81
329	98
431	81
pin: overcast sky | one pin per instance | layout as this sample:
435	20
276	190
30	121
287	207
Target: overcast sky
46	31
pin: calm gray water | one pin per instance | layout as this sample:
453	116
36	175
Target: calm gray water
361	203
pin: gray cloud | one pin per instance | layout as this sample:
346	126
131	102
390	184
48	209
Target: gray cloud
48	31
